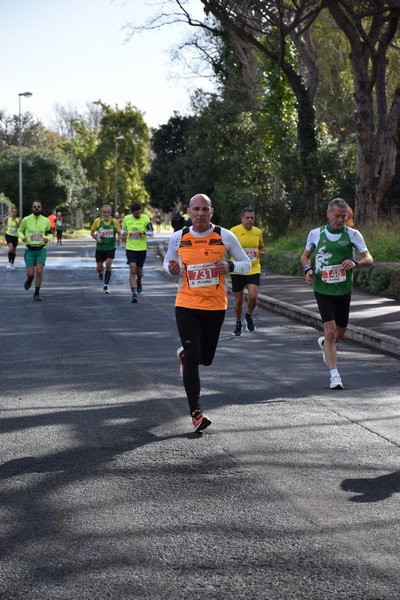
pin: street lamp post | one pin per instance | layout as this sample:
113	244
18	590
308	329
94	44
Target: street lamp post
119	137
72	133
27	95
78	212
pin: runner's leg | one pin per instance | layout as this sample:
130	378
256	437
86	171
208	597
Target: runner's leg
211	324
238	305
252	291
189	328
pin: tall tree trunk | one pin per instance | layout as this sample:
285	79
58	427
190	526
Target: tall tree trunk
78	219
308	148
376	127
364	204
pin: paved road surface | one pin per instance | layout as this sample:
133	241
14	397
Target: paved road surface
106	493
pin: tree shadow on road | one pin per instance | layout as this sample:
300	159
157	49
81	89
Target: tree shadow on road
372	489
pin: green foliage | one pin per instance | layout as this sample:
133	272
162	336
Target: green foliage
5	200
165	180
46	177
286	263
334	102
283	254
393	290
379	280
231	166
5	205
383	240
223	153
382	279
99	152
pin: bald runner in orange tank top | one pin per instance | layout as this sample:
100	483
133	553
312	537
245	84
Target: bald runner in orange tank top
202	256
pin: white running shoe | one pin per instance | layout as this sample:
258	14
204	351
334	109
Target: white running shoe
336	383
12	267
8	266
321	345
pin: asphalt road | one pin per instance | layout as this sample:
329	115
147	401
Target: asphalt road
292	493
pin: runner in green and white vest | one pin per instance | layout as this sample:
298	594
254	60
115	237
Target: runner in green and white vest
337	250
104	230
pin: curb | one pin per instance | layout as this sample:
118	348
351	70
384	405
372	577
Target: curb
366	337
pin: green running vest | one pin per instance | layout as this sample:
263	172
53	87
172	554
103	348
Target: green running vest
333	281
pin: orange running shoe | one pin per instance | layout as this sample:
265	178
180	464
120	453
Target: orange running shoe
199	421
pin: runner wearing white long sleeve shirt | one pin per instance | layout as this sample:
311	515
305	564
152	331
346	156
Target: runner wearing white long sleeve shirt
201	256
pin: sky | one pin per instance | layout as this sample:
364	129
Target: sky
70	52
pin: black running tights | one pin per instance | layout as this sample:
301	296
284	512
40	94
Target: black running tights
199	332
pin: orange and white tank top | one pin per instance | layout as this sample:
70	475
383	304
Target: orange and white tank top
200	285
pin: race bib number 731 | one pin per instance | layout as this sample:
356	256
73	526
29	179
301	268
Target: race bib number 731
202	275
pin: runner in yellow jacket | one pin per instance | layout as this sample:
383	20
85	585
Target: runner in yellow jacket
251	240
36	231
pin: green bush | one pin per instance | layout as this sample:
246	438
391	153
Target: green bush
382	279
394	287
286	263
383	240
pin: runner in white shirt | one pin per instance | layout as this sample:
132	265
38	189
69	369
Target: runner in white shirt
334	246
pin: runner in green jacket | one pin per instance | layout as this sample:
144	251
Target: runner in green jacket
35	230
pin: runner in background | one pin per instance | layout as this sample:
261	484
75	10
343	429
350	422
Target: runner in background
104	230
136	228
59	227
10	232
251	240
52	219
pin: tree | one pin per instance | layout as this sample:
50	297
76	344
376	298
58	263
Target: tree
370	28
96	149
165	180
273	28
45	177
34	134
232	146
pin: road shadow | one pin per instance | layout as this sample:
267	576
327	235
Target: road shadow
374	489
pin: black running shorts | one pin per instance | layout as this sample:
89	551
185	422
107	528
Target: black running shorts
334	308
102	255
239	282
11	239
136	256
